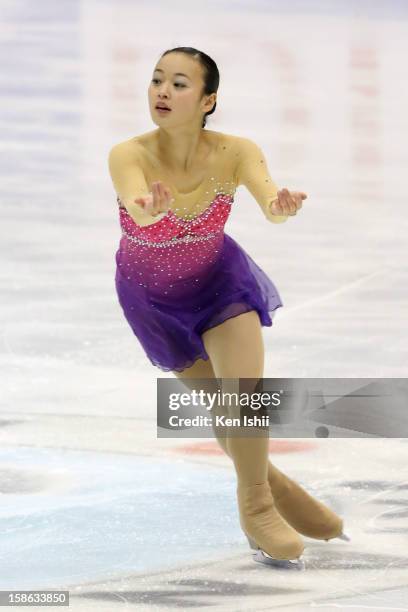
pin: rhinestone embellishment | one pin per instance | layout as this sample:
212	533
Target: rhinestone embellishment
172	242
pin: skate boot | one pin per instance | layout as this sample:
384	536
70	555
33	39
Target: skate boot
276	543
303	512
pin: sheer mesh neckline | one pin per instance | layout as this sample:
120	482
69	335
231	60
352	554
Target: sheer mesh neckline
199	215
198	191
209	170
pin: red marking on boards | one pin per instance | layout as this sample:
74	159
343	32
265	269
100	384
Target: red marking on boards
275	447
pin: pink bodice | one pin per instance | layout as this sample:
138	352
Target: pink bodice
171	227
172	256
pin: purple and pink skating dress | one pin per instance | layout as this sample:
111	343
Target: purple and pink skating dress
178	277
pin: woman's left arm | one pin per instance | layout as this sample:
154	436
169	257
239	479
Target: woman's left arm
252	171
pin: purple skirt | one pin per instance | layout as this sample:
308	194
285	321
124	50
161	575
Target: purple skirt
170	330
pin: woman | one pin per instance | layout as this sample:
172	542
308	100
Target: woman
193	297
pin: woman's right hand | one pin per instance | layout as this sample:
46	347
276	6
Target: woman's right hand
156	202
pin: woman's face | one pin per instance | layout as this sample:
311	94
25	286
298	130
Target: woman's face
179	92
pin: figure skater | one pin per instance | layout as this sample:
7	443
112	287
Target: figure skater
192	296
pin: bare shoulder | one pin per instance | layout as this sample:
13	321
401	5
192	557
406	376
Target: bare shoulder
144	143
229	149
228	140
129	150
138	149
243	148
238	148
141	148
242	143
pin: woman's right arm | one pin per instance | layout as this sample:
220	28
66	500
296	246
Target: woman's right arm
129	181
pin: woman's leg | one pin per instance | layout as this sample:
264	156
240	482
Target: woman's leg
202	370
233	337
306	514
236	351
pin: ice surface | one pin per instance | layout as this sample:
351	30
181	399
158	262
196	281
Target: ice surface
88	493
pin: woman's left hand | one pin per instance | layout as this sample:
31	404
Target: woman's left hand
287	202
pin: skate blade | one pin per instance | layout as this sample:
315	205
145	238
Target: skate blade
293	564
343	536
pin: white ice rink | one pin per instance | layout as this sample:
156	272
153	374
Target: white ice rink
91	501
